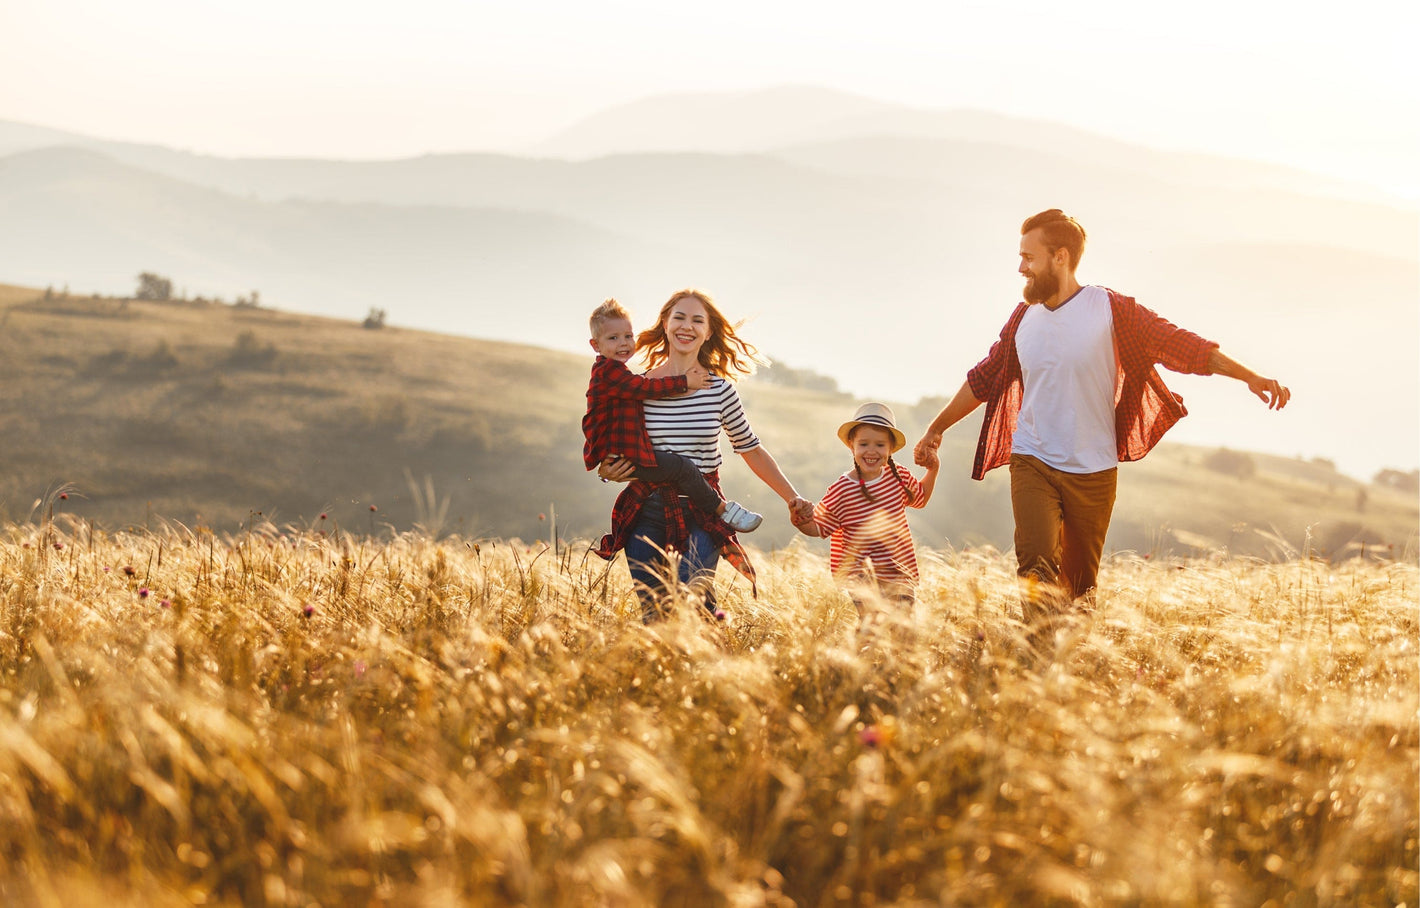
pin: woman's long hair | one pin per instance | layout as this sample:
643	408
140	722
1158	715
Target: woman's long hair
724	352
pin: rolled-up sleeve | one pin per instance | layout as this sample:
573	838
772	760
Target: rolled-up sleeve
988	378
1161	341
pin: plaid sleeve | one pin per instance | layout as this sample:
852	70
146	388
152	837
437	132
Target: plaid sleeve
988	377
1145	335
612	379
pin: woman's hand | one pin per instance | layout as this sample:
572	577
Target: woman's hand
616	469
801	515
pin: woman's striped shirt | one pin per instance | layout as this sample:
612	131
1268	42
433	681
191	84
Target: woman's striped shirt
690	424
863	530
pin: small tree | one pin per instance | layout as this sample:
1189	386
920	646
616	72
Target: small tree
153	287
1231	463
375	320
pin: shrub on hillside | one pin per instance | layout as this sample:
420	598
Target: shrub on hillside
248	351
1231	463
153	287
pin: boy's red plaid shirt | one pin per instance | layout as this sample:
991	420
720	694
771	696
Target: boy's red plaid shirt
615	422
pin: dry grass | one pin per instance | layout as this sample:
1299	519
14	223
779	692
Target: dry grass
287	718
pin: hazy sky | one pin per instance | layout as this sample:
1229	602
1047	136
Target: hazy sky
1335	90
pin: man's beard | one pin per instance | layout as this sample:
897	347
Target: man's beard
1041	287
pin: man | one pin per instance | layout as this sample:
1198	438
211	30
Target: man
1070	391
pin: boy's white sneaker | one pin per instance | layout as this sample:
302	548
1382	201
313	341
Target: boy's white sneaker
741	519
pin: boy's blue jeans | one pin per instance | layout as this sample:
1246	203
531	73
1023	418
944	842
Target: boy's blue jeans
648	564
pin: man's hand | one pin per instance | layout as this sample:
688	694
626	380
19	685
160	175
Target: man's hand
696	377
616	469
1269	391
924	454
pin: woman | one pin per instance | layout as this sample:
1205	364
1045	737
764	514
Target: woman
649	519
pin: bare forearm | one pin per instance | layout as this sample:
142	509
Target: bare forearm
1268	390
763	465
924	453
1220	363
957	409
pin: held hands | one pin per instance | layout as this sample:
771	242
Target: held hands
696	377
801	514
924	454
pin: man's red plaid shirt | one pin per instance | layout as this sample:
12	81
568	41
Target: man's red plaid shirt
615	422
1144	408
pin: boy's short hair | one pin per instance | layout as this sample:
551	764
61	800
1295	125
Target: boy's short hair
606	312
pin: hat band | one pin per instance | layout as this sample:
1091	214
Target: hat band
876	420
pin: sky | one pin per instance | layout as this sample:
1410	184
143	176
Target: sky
1335	90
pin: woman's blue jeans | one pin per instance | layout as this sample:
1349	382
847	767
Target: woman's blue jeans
645	557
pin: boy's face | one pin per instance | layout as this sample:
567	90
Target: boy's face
615	340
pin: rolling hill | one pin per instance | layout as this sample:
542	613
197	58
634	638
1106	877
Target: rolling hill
816	215
217	415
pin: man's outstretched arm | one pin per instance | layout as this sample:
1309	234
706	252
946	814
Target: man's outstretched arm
1269	390
954	412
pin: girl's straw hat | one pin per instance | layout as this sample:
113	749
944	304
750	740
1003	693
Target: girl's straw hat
878	416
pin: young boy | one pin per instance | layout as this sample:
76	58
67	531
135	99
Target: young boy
615	424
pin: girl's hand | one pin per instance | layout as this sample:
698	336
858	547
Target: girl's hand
927	458
616	469
926	448
801	510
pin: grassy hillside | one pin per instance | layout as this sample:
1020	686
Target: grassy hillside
210	414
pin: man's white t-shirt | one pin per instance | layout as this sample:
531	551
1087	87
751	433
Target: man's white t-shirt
1068	370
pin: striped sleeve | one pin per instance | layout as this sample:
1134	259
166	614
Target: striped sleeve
915	498
690	425
732	417
828	509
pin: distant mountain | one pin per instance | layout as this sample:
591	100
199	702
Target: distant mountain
221	416
770	119
713	122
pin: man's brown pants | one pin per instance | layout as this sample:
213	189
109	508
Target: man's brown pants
1061	521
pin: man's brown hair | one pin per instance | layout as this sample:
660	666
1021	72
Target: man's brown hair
1058	229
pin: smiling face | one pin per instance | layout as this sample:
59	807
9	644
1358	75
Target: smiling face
687	327
871	448
1041	269
615	339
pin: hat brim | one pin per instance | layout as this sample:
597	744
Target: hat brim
899	441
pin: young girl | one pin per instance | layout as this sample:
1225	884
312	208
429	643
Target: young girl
864	511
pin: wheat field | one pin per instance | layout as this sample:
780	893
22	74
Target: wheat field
297	716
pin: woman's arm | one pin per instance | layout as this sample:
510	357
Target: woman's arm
763	464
